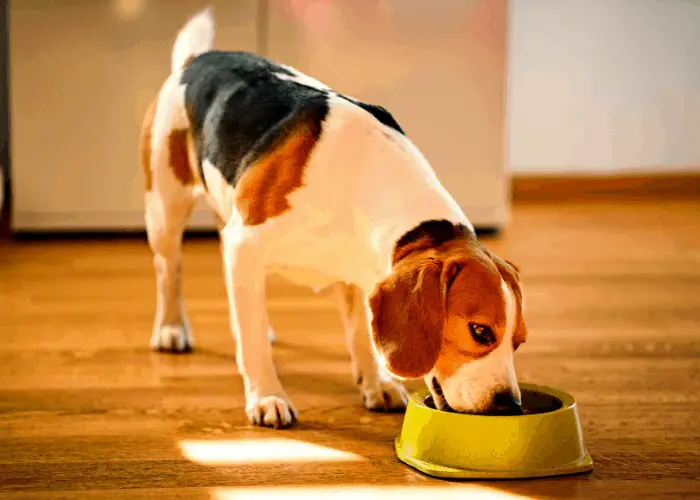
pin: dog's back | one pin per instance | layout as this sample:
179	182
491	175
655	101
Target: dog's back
240	126
241	108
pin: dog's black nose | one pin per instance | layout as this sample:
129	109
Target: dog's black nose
505	403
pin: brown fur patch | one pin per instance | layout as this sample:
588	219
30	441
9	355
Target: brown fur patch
145	144
179	156
263	189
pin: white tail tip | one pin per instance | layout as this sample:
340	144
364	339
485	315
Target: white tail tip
195	37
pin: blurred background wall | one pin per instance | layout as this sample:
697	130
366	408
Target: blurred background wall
604	86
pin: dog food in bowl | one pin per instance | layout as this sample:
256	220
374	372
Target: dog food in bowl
533	402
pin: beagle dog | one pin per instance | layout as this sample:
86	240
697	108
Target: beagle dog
327	191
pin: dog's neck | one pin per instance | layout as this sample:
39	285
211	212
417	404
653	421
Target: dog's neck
389	235
392	214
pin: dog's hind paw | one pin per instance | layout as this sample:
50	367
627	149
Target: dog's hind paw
271	411
384	395
172	338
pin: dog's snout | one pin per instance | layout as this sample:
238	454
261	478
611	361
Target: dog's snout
506	403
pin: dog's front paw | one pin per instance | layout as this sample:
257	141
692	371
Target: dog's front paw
384	395
271	411
172	338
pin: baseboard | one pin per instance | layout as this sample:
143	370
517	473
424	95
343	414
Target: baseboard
97	222
4	206
488	219
582	187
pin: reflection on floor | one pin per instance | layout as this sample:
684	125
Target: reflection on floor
443	492
225	452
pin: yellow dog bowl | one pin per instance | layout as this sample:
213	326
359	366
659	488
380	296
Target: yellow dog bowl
545	441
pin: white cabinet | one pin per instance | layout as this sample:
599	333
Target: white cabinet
82	75
83	72
439	67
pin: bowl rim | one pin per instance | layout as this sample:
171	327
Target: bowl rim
568	402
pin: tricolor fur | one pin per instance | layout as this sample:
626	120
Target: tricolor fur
327	191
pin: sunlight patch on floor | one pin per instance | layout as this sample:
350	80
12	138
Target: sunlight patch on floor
448	492
261	450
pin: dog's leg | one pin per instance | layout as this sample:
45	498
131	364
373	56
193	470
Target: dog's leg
169	200
266	402
379	391
220	225
166	217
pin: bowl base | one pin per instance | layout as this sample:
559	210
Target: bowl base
440	471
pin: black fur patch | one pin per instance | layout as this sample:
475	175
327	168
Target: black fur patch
439	231
379	113
239	108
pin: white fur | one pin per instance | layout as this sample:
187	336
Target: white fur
220	195
195	37
302	79
474	385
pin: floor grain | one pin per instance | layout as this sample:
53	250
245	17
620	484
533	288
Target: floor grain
87	411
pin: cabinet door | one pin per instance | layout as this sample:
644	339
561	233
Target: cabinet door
439	67
82	74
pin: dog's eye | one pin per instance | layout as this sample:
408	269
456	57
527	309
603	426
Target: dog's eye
482	334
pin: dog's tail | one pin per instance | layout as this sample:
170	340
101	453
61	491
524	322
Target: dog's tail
195	37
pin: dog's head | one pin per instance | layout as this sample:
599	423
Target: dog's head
451	312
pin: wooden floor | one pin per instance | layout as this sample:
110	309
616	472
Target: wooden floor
87	412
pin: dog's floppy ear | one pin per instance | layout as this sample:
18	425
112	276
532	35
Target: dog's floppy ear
408	315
